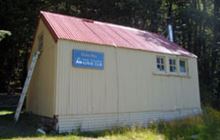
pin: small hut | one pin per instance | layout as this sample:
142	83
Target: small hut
93	75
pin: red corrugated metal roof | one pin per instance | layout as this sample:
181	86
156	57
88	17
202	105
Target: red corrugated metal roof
89	31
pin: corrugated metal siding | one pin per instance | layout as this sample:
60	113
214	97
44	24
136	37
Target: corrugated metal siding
127	84
79	86
70	123
88	31
41	94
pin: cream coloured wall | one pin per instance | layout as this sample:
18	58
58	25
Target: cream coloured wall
85	91
41	93
127	84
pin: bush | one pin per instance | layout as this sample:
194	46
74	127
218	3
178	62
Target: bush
204	127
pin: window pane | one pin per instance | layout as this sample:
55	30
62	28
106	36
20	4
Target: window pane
171	69
174	68
182	66
158	66
174	62
170	61
160	63
158	60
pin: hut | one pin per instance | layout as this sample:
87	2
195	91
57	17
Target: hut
94	75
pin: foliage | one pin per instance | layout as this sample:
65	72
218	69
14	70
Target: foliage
196	28
5	112
4	33
201	127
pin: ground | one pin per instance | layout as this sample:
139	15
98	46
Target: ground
201	127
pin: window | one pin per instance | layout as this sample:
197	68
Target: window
182	66
172	63
161	63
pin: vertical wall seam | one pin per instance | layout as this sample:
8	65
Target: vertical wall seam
54	79
68	84
117	81
57	78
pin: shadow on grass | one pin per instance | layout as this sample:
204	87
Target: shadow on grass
27	126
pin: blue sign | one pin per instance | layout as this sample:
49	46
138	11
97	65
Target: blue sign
87	59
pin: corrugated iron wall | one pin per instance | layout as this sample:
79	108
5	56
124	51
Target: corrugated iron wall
85	91
127	84
91	122
41	94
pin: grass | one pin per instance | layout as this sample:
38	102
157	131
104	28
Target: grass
5	112
202	127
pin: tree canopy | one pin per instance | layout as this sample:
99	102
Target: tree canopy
196	26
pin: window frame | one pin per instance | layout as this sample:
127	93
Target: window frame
171	65
186	66
166	71
164	64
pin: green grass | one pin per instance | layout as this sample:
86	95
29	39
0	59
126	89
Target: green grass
202	127
5	112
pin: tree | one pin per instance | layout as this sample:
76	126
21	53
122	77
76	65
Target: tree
4	33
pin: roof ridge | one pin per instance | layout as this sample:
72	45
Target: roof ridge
98	22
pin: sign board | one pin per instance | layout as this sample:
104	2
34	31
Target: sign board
87	59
